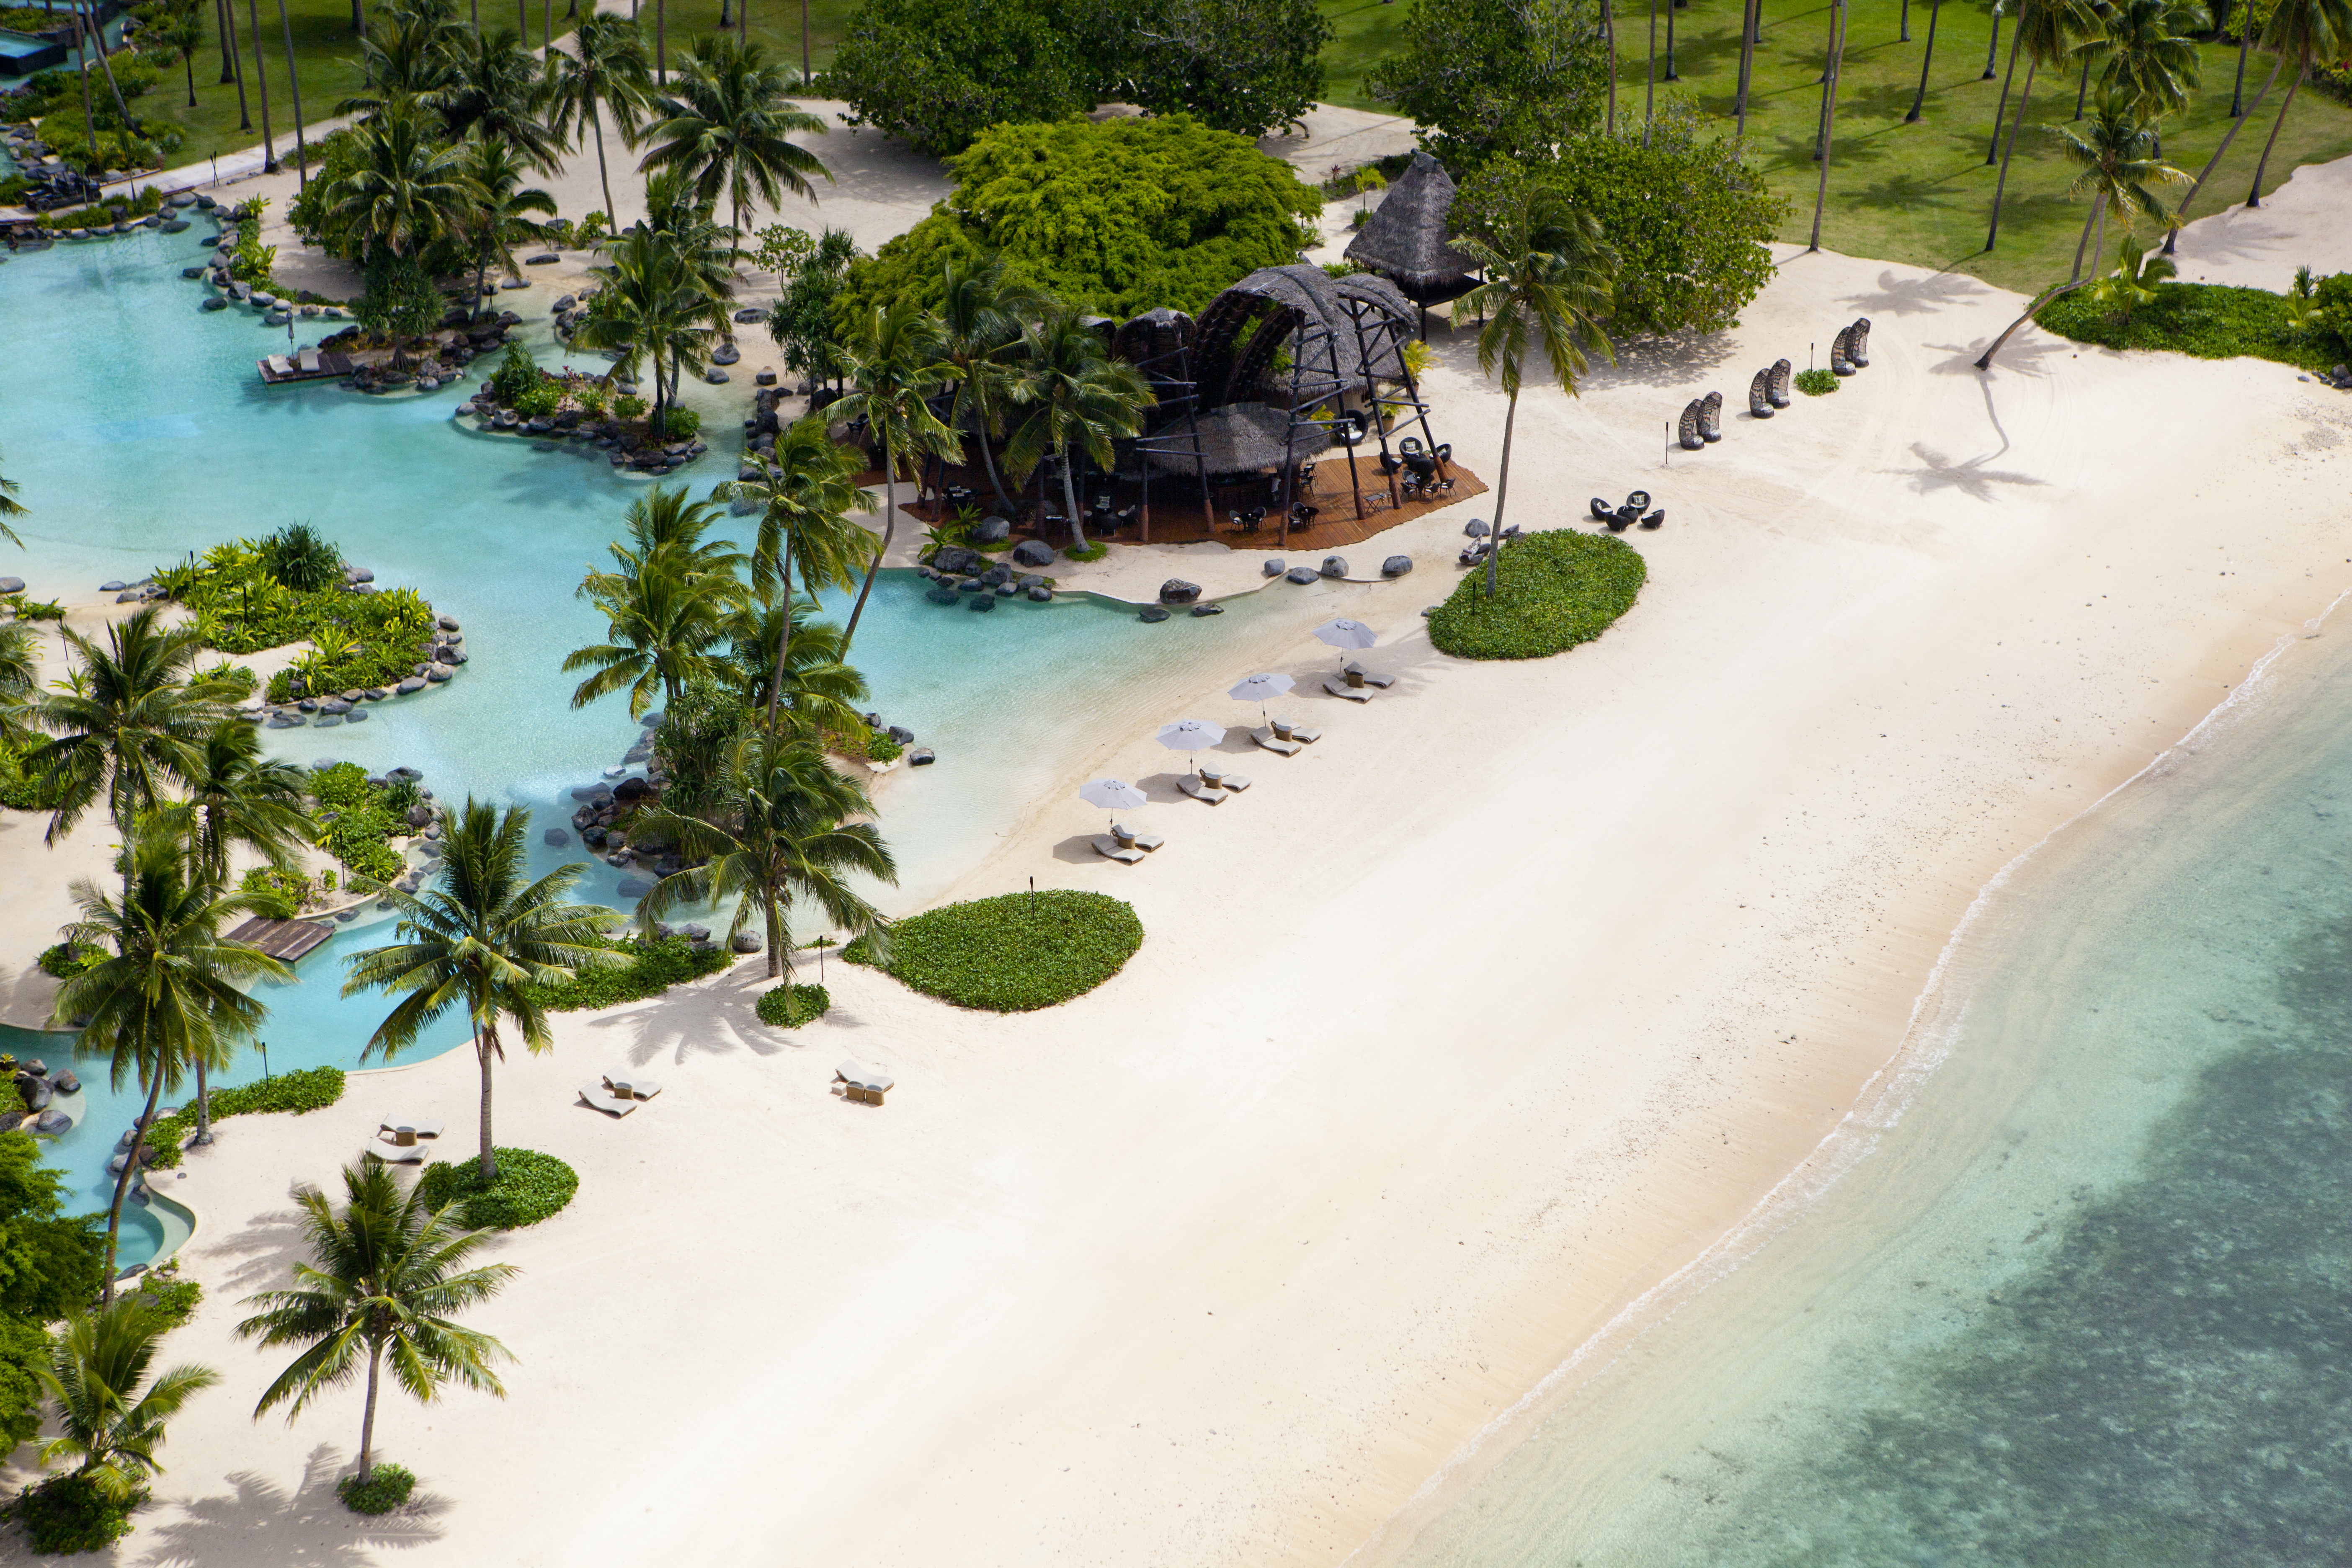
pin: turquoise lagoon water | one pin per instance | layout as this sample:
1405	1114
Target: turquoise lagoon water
2083	1296
138	430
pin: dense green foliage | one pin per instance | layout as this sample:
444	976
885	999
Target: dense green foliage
49	1265
359	639
384	1490
1489	78
529	1186
401	301
356	821
173	1299
1012	954
307	1088
1553	590
790	1006
1817	382
2209	320
1250	66
63	961
20	791
1113	218
69	1513
656	963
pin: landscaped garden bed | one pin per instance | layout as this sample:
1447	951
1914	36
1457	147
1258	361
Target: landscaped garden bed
1012	954
523	399
1552	591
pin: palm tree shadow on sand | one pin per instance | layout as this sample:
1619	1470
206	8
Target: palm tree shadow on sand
1917	296
1970	475
262	1525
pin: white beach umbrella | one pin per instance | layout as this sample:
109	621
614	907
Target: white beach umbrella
1261	690
1190	735
1112	795
1344	634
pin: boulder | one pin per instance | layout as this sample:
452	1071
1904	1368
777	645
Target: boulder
544	259
1475	528
1176	591
411	686
1041	594
958	562
53	1121
356	716
969	585
744	942
1334	566
1153	613
901	734
564	302
439	673
996	576
1208	609
1396	566
1005	590
212	302
555	838
921	757
1032	552
66	1083
716	377
941	593
752	313
982	602
446	654
1032	581
334	705
1273	566
112	586
725	353
634	888
12	584
447	624
991	531
1301	574
628	792
197	272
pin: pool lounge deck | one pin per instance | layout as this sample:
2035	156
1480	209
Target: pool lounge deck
289	941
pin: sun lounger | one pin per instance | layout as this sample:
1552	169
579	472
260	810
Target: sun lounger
391	1153
407	1129
1231	782
1110	849
1134	839
862	1084
1338	687
632	1085
609	1103
279	364
1265	736
1290	729
308	360
1200	788
1370	679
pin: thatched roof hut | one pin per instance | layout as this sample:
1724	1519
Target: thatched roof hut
1405	240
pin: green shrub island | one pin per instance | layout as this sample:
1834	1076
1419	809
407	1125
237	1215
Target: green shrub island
387	1487
63	961
1013	954
307	1088
1817	382
653	965
1552	591
529	1186
357	821
2309	327
790	1006
248	594
1113	217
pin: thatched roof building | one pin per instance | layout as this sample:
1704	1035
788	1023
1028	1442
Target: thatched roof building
1405	240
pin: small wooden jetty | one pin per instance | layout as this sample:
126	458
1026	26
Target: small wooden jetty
289	941
309	365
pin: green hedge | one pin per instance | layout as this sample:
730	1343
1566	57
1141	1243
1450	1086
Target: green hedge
652	966
1552	591
530	1187
2207	321
307	1088
68	1514
790	1006
386	1488
1013	954
356	823
64	960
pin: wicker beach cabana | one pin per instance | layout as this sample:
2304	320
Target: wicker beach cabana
1405	240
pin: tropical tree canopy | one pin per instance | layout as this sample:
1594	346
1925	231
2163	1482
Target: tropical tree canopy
1487	78
110	1416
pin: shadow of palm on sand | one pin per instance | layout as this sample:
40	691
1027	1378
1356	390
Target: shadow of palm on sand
262	1525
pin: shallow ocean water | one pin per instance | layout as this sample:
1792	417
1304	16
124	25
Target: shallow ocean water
2083	1295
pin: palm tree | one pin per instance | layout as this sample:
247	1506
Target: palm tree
2046	31
1747	30
182	30
2144	57
2303	32
606	76
728	127
2180	213
10	507
658	300
110	1416
806	493
1548	277
386	1276
20	675
133	722
294	91
1831	72
261	80
2117	166
408	191
169	996
786	838
238	796
666	606
816	693
406	56
496	219
494	91
1927	59
891	358
1076	396
477	938
980	317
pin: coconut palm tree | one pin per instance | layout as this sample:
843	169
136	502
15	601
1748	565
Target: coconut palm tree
134	720
235	795
1074	396
386	1276
2145	56
1831	71
169	996
407	189
728	127
606	77
981	318
2117	167
777	833
815	692
806	493
110	1416
666	605
182	28
480	939
1548	280
1747	41
2303	33
891	357
20	675
494	91
656	300
497	212
2046	32
406	57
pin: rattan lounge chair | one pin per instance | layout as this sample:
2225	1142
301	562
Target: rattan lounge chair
408	1129
611	1104
1686	428
1200	788
1710	418
1781	373
862	1084
1112	850
1759	396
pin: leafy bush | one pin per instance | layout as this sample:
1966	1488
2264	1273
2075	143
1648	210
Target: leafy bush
355	821
629	405
1013	954
536	402
173	1299
68	1513
401	302
940	72
691	744
790	1006
682	424
64	960
1113	218
363	639
881	748
1094	552
517	373
1816	382
1552	591
251	262
20	791
653	965
530	1187
307	1088
301	558
2211	321
386	1488
1493	78
287	892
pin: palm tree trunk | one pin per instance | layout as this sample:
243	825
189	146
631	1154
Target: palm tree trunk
596	119
2255	196
2017	124
988	461
1650	80
188	61
2083	89
1919	99
2172	234
1746	60
784	642
485	1048
546	25
805	77
98	37
1829	114
1502	493
661	42
2245	42
358	20
261	82
1608	41
1984	362
1070	499
2097	204
742	21
367	1415
890	527
779	962
2000	114
224	19
1671	8
203	1106
132	1157
294	88
1903	28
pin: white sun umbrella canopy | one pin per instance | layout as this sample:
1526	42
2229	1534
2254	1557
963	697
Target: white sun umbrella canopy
1345	634
1261	690
1111	795
1190	735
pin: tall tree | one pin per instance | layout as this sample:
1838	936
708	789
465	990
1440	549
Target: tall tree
406	189
2301	33
728	127
169	996
981	319
1748	29
1927	61
1074	398
496	91
892	355
1831	72
806	493
657	299
2145	56
496	215
778	833
478	937
666	605
386	1278
606	77
2046	30
261	82
110	1416
1547	281
238	796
